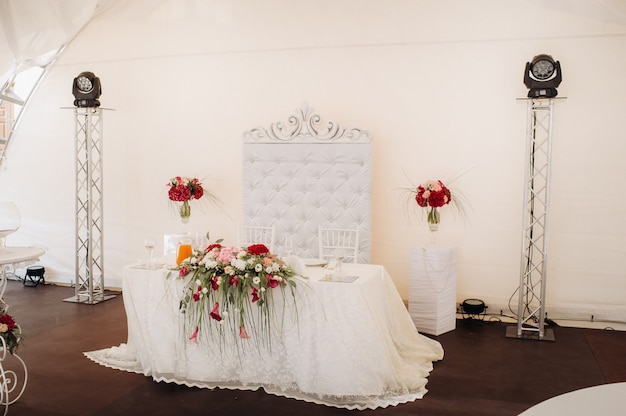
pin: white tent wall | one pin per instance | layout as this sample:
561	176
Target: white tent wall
437	84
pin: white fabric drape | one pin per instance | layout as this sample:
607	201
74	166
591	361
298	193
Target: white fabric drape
32	31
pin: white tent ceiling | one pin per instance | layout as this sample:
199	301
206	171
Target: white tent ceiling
32	31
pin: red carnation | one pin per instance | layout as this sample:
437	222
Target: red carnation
439	199
198	192
179	193
420	200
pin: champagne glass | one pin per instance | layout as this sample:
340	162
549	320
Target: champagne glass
288	245
150	244
340	255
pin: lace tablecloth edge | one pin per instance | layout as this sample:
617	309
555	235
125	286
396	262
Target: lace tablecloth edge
100	357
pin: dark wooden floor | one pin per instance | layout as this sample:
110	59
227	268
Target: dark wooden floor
483	371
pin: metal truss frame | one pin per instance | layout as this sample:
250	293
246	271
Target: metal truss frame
534	257
89	282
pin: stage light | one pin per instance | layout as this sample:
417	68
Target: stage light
542	75
473	308
86	90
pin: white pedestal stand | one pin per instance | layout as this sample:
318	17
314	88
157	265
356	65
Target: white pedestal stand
432	288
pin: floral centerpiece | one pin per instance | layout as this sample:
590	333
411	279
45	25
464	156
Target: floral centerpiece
10	332
433	195
231	289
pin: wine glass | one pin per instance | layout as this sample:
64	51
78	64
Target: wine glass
338	273
288	245
10	220
150	243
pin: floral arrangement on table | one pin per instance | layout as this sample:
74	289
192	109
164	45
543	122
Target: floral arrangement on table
10	332
231	289
183	189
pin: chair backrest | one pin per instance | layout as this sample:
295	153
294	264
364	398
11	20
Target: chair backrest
339	240
254	234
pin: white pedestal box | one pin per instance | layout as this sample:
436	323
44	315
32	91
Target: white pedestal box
432	288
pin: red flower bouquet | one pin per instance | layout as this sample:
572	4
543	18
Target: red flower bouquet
183	190
432	195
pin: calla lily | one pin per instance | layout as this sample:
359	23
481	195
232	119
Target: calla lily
194	337
242	332
215	313
271	282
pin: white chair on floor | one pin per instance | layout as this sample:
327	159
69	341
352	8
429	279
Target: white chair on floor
255	234
339	241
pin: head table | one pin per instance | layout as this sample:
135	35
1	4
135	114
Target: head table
343	344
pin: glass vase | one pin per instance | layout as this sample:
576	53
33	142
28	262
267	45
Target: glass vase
185	214
433	223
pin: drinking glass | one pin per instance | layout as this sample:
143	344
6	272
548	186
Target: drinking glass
150	244
338	274
185	250
288	245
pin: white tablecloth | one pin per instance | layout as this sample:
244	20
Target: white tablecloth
351	345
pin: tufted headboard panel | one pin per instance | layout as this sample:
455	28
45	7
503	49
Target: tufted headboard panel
302	176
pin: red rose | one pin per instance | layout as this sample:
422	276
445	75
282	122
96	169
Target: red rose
258	249
255	295
212	246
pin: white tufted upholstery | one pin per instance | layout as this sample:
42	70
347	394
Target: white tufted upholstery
310	180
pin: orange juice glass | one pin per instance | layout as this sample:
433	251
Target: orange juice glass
184	251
